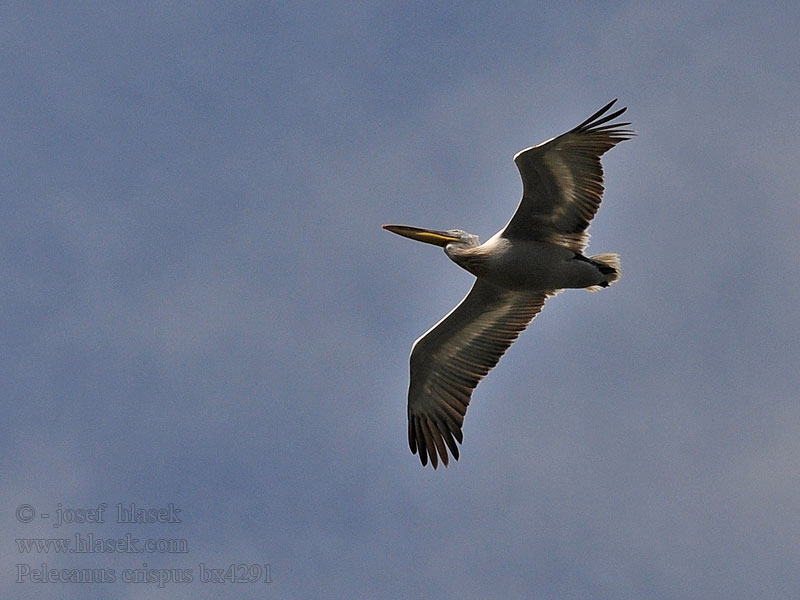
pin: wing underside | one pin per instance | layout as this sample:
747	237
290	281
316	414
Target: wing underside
562	182
449	360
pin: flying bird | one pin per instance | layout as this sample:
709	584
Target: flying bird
536	255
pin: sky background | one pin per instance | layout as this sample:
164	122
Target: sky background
199	306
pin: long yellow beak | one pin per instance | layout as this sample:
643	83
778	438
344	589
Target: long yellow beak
429	236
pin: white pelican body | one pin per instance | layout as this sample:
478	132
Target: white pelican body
527	265
538	253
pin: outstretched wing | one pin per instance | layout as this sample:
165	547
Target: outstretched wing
562	182
450	359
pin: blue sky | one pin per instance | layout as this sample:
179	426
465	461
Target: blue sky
200	307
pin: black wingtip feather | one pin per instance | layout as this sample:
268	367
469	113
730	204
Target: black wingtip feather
597	114
595	120
431	441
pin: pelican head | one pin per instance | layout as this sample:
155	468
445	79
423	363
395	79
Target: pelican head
436	237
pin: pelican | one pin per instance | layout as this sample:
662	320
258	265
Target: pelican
536	255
